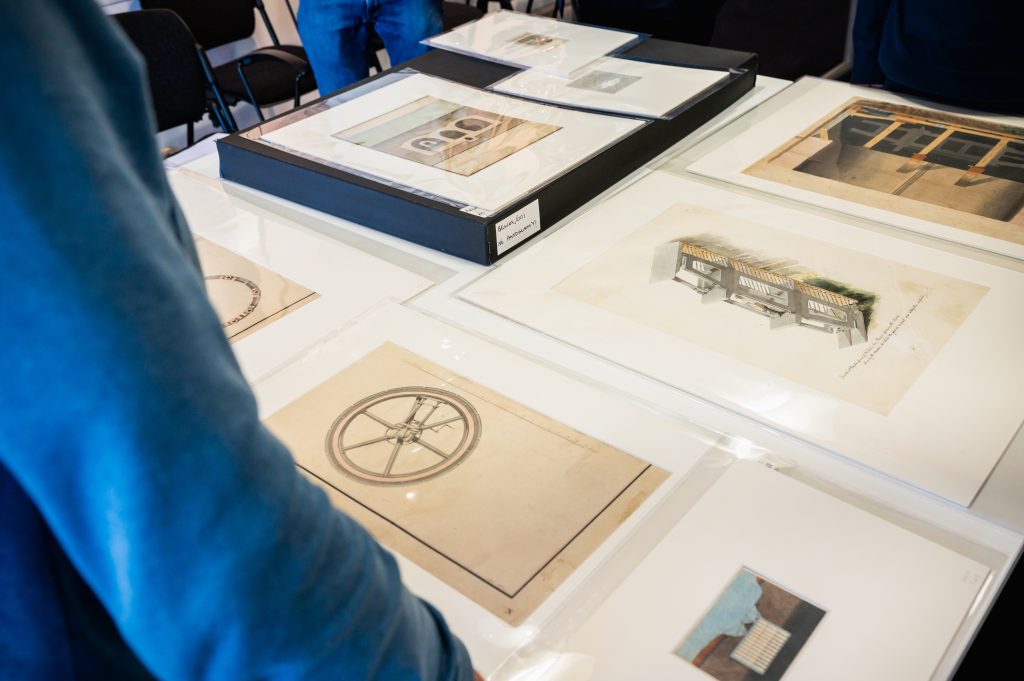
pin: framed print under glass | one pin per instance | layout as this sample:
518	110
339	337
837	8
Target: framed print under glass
627	86
450	142
530	41
947	173
795	320
767	578
442	446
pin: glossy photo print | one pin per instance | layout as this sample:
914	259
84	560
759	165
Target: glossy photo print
753	632
500	502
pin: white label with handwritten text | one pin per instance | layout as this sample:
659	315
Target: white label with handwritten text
522	224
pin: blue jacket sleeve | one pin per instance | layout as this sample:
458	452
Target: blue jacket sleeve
125	418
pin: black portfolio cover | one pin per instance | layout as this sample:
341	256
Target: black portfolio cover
446	228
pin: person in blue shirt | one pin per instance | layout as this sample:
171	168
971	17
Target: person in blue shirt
335	34
963	53
150	527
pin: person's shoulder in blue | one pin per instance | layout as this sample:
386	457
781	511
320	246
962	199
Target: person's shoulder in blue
150	527
963	53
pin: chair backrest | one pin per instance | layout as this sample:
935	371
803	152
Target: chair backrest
177	83
213	22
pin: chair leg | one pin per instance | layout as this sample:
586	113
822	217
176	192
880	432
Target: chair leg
250	93
228	123
190	134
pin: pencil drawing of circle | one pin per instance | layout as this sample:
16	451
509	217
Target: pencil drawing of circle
229	293
403	435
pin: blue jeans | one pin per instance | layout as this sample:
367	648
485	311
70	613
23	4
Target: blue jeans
335	34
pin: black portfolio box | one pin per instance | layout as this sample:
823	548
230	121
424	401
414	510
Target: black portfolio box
445	227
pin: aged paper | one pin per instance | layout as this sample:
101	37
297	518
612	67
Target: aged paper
446	135
963	172
246	297
496	500
846	323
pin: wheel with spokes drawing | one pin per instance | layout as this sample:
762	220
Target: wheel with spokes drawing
403	435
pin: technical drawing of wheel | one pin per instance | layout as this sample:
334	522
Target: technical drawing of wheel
231	294
403	435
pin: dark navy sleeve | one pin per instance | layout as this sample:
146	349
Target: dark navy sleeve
868	26
124	416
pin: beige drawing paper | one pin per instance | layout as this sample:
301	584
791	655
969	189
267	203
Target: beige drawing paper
893	600
914	314
347	281
498	501
940	332
952	174
247	297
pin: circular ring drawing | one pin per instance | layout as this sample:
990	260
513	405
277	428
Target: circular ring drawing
254	295
403	435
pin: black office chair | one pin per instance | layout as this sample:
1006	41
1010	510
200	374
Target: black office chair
263	77
175	67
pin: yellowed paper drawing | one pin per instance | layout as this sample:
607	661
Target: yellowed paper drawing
246	296
846	323
498	501
954	170
446	135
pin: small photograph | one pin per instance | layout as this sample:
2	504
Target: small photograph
246	296
909	160
753	632
537	40
446	135
604	81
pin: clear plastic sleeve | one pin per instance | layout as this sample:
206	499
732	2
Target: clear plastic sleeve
528	41
758	563
845	337
616	85
503	501
927	168
472	149
573	532
278	286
